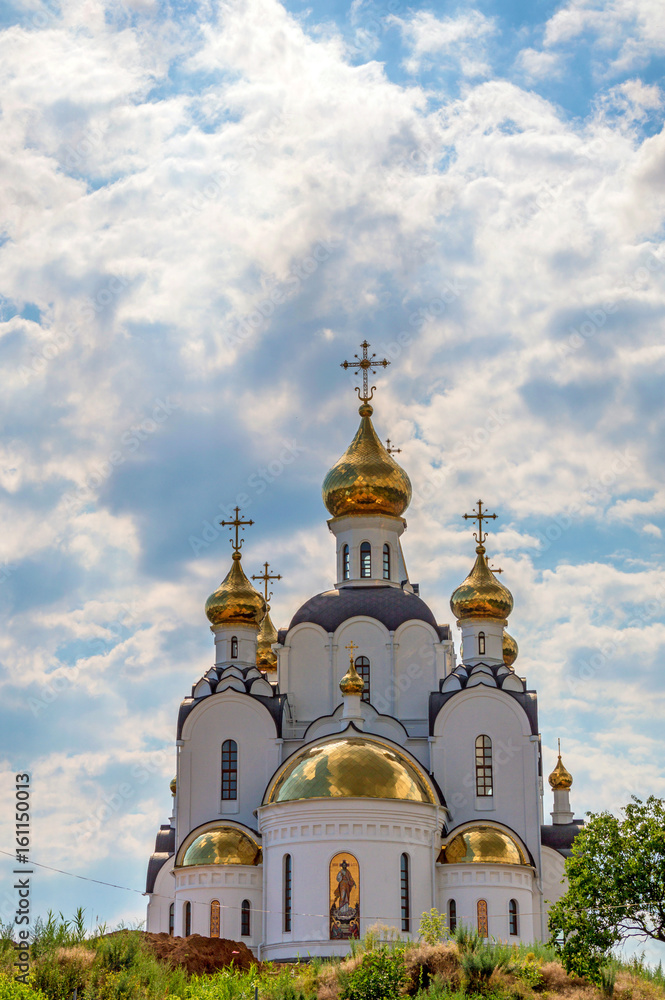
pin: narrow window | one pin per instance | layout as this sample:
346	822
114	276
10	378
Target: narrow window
452	915
513	917
287	892
483	928
386	562
214	918
188	919
346	563
245	918
483	766
234	648
171	919
362	666
365	560
229	769
481	644
404	893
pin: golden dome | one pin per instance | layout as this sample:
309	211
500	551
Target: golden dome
510	649
351	682
172	785
366	479
481	595
224	845
349	767
266	658
560	779
235	602
483	845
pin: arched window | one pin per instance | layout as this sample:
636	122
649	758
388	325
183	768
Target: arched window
481	908
229	769
366	560
171	919
483	766
386	562
481	644
404	892
346	563
288	874
214	918
344	902
362	666
245	918
188	919
513	917
452	915
234	648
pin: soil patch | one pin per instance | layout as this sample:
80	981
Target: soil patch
198	955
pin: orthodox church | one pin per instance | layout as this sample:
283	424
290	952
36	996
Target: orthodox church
351	769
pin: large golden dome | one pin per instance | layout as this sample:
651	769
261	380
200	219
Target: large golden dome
266	658
235	602
349	767
366	479
223	845
481	595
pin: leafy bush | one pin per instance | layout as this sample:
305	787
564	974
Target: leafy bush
380	976
119	951
433	927
56	932
527	968
11	990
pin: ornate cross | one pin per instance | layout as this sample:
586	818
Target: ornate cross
351	648
365	364
266	576
236	523
392	451
480	515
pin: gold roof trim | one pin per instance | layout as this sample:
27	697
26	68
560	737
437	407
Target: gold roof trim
235	602
483	844
349	767
222	845
481	595
366	479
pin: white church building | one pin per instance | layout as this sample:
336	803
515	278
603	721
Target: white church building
352	769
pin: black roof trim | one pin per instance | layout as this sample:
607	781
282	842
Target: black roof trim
164	849
527	699
391	606
274	704
560	836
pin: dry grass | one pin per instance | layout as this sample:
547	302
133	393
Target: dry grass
629	987
78	954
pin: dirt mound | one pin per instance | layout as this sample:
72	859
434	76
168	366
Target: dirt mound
196	954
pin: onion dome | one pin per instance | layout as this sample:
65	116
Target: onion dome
366	479
266	658
349	767
481	595
560	779
510	649
483	845
351	682
235	602
223	845
172	785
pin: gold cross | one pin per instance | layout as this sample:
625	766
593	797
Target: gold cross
351	648
266	576
236	523
365	364
480	515
392	451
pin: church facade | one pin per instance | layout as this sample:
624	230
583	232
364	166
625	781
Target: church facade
351	769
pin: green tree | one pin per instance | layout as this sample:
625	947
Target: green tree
616	887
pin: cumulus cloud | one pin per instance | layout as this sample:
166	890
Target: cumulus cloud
452	40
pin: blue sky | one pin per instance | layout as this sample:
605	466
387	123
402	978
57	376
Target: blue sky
206	208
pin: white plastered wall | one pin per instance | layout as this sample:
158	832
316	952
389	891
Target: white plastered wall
553	873
160	899
230	885
497	885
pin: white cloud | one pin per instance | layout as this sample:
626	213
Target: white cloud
628	32
455	40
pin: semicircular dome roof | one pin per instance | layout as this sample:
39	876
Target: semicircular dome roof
392	606
223	845
483	845
349	767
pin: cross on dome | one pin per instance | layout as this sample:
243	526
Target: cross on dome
480	515
365	364
392	451
266	577
238	524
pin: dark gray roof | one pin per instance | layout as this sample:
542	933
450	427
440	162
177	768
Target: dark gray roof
164	849
391	606
560	836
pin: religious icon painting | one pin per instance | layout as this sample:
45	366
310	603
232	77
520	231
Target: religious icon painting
344	897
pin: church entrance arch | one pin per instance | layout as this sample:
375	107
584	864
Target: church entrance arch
344	883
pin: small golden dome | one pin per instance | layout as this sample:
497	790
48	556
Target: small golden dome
481	595
172	786
266	658
224	845
235	602
483	845
560	779
351	682
510	649
366	479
